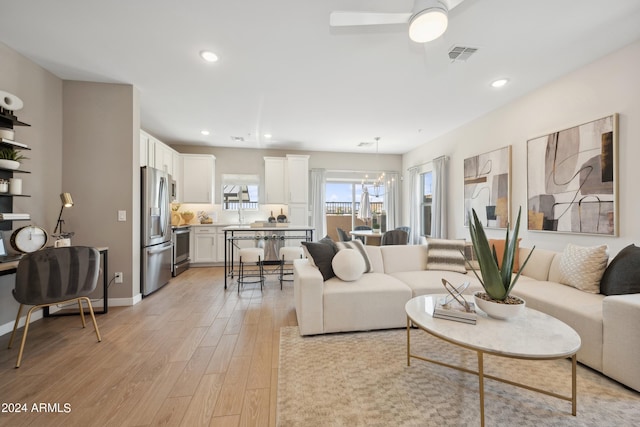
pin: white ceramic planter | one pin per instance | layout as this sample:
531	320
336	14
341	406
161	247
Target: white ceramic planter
9	164
499	311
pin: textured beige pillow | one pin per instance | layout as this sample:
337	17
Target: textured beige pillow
582	267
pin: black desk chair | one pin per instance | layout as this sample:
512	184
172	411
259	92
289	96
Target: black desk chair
55	276
407	229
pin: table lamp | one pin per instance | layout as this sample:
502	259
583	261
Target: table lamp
67	202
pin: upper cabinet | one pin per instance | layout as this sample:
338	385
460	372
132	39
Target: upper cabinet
274	180
197	184
157	154
298	178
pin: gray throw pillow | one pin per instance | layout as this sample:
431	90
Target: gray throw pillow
321	254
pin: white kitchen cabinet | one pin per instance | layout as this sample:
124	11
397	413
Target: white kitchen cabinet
298	178
274	180
205	245
298	213
144	148
198	173
155	153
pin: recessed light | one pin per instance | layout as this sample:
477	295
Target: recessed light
205	132
208	56
268	135
499	83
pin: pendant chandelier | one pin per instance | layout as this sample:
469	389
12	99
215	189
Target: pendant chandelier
375	186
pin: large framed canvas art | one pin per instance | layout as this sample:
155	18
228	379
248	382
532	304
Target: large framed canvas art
487	187
571	179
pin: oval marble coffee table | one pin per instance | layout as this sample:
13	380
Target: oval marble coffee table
532	335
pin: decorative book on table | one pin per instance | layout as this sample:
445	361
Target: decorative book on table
453	310
454	306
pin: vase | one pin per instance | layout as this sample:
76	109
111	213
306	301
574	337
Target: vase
498	310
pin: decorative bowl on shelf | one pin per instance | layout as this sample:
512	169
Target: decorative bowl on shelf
9	164
187	216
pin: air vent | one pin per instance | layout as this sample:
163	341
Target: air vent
365	144
461	53
237	139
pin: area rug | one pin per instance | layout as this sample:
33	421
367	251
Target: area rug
362	379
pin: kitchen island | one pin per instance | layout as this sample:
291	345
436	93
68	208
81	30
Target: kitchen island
234	235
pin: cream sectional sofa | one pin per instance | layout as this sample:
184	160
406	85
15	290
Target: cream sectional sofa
607	325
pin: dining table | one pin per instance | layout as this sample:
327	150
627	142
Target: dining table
372	238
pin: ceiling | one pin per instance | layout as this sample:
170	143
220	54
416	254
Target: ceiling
284	71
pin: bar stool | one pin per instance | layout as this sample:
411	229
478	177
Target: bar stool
251	255
288	254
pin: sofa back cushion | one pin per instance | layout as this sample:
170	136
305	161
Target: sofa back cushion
539	263
404	258
375	257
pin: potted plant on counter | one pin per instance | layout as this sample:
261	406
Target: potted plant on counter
497	278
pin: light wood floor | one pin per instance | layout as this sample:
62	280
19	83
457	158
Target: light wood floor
190	354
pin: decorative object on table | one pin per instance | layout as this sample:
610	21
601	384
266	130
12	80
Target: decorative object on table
376	227
572	179
486	187
282	217
28	239
187	216
272	218
454	306
67	202
497	278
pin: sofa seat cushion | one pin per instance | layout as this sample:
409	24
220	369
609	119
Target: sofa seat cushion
580	310
430	281
375	301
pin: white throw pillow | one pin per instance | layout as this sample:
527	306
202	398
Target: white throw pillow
348	265
582	267
358	246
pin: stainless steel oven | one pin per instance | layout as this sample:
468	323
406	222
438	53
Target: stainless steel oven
181	257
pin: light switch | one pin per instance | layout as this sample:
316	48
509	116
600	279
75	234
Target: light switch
122	215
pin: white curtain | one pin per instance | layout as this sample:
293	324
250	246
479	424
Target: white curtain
415	203
392	199
439	205
318	218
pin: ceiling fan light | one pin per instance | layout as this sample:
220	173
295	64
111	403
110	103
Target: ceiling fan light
428	25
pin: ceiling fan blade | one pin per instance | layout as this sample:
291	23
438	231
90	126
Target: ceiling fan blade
347	19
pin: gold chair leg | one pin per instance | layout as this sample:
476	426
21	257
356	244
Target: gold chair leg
84	324
15	326
93	318
24	335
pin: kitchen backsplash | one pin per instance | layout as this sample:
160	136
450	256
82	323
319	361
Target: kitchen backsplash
219	216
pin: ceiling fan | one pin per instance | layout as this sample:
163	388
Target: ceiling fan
427	21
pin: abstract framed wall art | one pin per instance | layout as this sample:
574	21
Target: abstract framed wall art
487	182
572	179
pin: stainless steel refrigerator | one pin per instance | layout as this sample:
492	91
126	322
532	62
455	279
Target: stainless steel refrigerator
156	256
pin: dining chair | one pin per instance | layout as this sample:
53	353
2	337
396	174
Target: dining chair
395	237
407	229
54	276
343	235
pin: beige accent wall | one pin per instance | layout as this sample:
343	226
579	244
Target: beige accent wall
606	86
101	170
41	92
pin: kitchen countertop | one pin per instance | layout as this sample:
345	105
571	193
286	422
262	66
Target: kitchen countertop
247	227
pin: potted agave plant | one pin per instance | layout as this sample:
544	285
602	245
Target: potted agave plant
497	281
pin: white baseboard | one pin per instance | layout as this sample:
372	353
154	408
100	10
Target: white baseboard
37	315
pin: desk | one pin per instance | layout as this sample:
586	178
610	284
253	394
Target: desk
11	267
370	237
235	233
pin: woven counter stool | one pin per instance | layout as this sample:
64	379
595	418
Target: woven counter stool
288	254
249	274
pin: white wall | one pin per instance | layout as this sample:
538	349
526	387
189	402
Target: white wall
609	85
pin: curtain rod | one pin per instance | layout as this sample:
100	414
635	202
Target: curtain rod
428	162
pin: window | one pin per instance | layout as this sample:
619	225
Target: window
240	192
427	198
342	205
